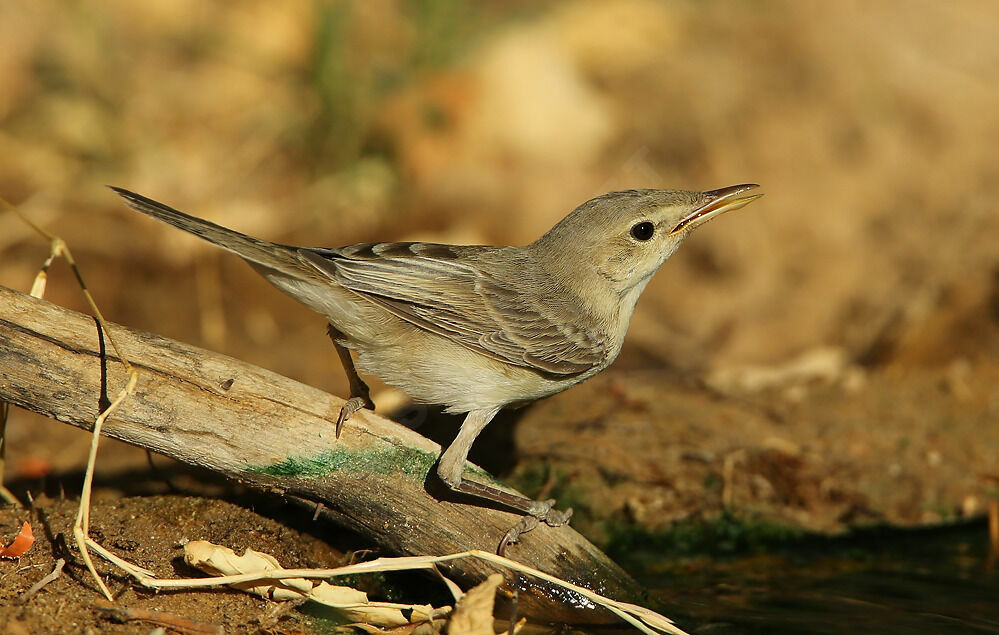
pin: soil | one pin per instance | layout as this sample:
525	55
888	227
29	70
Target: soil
148	531
904	447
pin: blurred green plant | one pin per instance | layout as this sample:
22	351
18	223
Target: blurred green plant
347	90
724	535
334	133
444	28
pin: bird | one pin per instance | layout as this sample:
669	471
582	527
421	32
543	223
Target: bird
480	328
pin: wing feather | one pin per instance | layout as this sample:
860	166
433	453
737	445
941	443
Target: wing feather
436	289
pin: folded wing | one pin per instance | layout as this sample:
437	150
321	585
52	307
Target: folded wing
446	290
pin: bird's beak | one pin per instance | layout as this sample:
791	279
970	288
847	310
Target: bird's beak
716	203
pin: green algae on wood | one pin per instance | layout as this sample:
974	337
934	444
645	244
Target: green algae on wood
412	462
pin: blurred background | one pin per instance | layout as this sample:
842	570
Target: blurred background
823	360
861	291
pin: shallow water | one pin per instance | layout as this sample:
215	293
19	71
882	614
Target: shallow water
879	581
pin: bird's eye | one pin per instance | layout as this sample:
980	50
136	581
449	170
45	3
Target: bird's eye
643	230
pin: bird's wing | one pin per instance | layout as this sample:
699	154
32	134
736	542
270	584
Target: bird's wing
433	288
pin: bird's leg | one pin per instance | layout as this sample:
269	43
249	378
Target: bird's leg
359	394
451	468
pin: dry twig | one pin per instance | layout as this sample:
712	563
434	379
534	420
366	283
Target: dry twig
5	493
174	623
276	582
51	577
57	248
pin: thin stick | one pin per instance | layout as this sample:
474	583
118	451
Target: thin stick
132	569
37	586
643	619
173	623
993	534
5	493
58	247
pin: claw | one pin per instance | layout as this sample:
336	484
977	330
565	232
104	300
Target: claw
557	518
349	407
543	511
512	537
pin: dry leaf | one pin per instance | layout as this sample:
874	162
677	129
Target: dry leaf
352	604
473	615
426	628
645	620
21	543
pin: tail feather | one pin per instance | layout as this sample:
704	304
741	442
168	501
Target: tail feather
260	252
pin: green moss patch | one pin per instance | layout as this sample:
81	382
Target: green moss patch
409	461
725	535
412	462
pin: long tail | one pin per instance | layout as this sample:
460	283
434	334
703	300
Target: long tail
259	252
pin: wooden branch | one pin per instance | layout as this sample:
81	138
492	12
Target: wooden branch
271	432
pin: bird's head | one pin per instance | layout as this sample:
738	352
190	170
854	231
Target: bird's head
626	236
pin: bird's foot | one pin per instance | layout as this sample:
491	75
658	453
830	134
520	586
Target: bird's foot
541	511
349	407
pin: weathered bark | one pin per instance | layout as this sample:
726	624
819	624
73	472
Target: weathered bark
274	433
